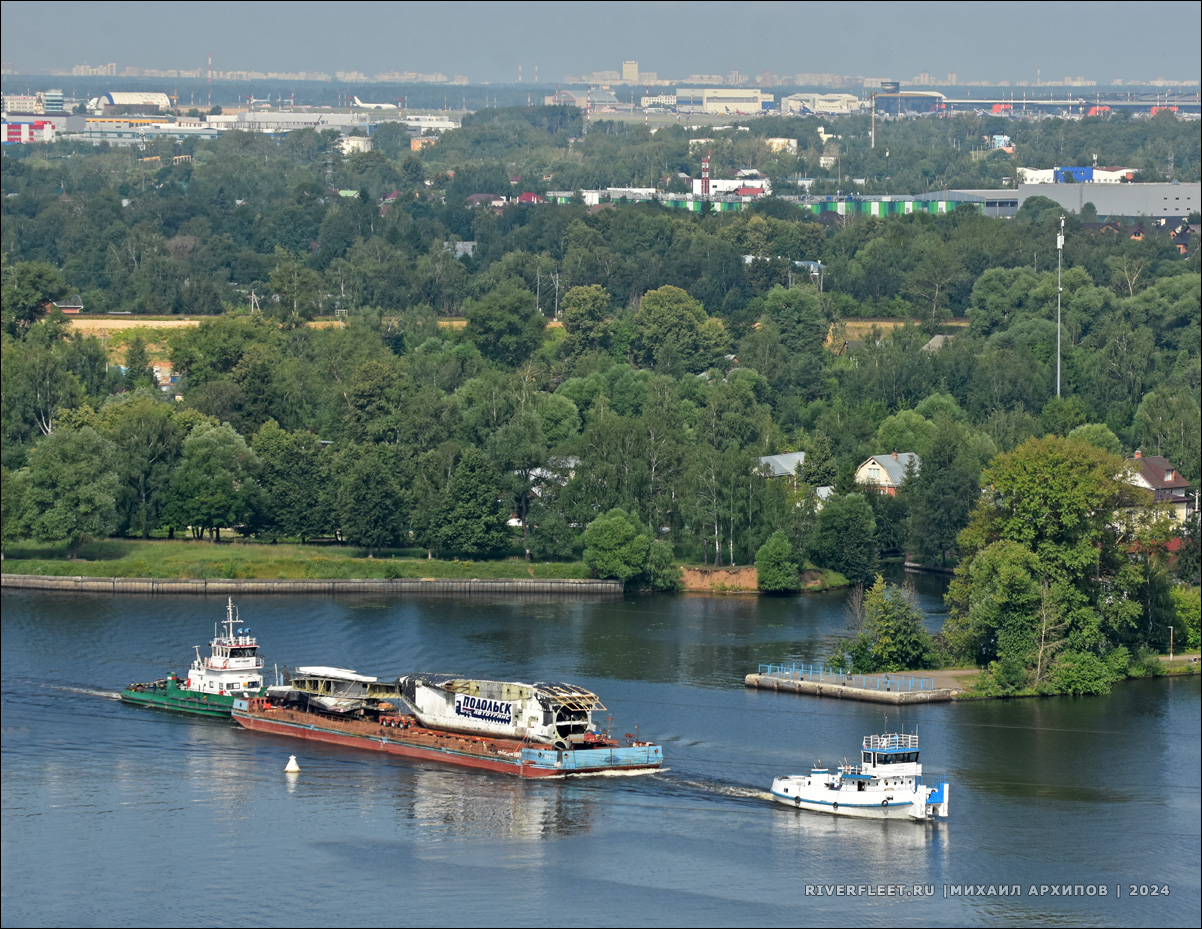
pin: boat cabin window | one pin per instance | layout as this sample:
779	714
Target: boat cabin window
897	758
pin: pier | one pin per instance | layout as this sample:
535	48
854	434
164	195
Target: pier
818	680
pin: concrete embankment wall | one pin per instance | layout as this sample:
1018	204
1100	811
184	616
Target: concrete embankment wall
844	692
223	586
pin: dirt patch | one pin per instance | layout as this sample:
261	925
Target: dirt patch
103	325
954	679
721	580
812	580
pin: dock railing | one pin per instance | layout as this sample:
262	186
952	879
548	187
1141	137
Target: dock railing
823	674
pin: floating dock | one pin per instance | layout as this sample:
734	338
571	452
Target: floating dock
822	681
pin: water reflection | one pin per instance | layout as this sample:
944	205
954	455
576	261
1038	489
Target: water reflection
881	844
453	804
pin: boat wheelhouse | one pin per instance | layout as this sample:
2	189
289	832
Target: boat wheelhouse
233	665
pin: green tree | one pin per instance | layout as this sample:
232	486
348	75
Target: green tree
70	491
36	385
28	286
661	572
519	449
894	637
370	500
585	310
997	615
819	468
295	476
1078	673
138	372
1046	574
1188	604
505	325
1168	421
845	538
1058	497
297	291
12	505
943	492
148	436
1098	435
776	565
214	483
674	334
473	522
798	315
615	546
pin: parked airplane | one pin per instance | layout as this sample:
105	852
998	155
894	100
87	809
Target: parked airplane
360	105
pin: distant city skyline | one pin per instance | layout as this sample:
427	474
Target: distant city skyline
1016	43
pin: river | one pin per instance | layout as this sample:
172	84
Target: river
1064	811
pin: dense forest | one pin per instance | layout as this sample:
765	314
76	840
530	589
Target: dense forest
604	381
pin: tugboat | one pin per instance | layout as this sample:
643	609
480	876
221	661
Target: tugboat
232	669
887	784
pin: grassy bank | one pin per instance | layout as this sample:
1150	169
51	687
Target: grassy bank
240	559
190	559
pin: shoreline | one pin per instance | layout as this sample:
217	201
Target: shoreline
213	585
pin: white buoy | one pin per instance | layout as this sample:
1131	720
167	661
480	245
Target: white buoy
292	767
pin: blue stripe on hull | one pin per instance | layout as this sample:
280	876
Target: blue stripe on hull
593	759
896	810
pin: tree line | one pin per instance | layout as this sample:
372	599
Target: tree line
613	382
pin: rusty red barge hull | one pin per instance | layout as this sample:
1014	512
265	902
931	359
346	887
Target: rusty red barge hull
410	740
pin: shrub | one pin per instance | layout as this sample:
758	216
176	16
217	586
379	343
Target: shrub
1079	673
776	565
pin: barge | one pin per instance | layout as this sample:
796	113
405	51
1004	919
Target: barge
531	730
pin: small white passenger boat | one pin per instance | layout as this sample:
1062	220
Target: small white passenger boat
887	784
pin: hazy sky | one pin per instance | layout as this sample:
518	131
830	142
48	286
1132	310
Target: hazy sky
487	41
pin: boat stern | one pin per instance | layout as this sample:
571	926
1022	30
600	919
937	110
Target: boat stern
552	762
937	801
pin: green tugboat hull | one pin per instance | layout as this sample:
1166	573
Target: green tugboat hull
168	695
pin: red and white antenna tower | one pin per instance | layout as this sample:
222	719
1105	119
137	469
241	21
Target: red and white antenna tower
705	174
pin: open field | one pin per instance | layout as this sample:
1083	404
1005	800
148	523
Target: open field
193	559
238	559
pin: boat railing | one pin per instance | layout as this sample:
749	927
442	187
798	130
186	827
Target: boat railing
891	740
824	674
237	641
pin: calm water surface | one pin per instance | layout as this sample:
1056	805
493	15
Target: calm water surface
116	815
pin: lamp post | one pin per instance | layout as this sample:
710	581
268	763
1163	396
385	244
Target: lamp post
1059	291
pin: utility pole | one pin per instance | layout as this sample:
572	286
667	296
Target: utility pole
1059	291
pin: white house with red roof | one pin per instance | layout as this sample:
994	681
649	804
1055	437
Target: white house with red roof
1168	487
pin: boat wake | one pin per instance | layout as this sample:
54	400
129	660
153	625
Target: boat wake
639	772
733	791
86	691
